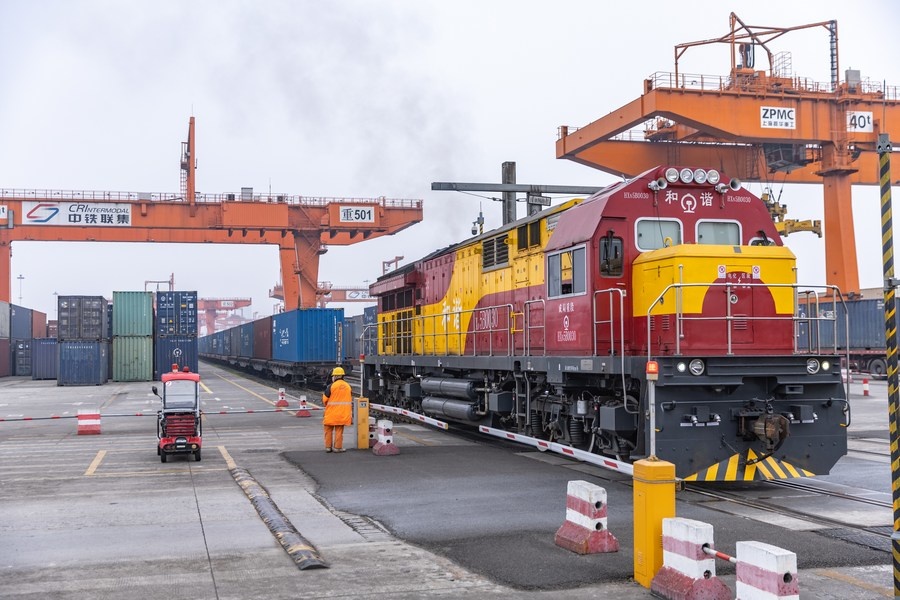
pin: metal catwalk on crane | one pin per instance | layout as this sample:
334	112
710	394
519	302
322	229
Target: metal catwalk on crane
302	227
754	124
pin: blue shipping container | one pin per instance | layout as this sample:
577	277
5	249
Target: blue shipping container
866	319
83	363
20	324
176	313
245	336
176	350
307	335
21	361
44	358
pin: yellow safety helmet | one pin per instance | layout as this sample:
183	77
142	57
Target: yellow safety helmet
337	371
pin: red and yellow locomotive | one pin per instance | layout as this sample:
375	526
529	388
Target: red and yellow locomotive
545	327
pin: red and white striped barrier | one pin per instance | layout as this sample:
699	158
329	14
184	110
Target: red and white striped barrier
385	444
373	431
865	387
282	402
409	414
585	530
304	409
588	457
687	572
766	572
88	421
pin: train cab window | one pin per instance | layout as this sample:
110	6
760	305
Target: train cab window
566	273
719	232
657	233
611	256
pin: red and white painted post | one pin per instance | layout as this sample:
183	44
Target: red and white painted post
373	432
304	409
765	572
88	421
385	444
585	529
687	572
865	386
282	402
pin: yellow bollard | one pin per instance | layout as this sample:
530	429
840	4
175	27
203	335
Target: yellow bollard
654	500
362	423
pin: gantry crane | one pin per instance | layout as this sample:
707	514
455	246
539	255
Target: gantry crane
753	124
211	308
301	227
328	292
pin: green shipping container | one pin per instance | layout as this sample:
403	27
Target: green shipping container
132	358
132	314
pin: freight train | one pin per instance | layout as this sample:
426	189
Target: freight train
547	326
300	346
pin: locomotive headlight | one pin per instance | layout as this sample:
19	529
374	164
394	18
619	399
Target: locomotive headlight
697	367
812	366
700	176
686	176
826	366
672	175
712	176
681	367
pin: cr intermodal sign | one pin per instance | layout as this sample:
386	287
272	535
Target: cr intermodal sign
84	214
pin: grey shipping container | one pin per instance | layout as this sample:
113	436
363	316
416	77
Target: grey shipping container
175	350
4	320
44	358
83	362
5	357
21	357
132	358
20	322
132	314
81	318
245	337
176	314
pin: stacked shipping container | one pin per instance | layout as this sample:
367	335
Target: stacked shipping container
132	336
175	331
82	335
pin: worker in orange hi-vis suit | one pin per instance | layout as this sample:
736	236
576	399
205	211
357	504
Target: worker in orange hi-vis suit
338	401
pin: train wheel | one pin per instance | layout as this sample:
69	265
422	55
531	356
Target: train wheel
877	367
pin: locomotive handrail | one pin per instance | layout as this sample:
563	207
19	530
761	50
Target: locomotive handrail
729	318
526	346
404	331
611	292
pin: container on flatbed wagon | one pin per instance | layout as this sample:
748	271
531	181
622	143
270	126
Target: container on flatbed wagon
865	344
307	335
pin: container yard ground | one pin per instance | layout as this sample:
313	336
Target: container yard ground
98	516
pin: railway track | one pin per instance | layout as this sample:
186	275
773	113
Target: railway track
827	500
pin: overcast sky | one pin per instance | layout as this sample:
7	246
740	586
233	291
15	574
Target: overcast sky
356	99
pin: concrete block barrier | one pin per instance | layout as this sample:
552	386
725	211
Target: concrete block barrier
766	572
385	444
688	573
88	421
585	529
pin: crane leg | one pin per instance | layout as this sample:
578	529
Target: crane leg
841	268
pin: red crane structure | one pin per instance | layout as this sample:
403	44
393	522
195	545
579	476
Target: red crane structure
211	308
302	227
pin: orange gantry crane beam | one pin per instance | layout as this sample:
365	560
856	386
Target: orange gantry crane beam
211	307
754	124
301	227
